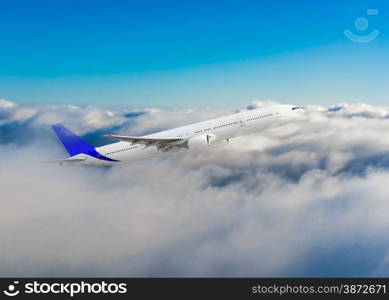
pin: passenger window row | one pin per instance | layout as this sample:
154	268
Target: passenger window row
224	125
130	148
220	126
259	117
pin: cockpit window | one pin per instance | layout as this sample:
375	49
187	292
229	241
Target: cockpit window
296	107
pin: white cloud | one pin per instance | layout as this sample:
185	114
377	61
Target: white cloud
24	113
269	204
6	104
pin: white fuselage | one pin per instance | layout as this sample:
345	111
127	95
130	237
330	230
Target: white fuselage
220	130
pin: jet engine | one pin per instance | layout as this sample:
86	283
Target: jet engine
204	141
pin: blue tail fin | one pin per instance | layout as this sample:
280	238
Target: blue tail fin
72	143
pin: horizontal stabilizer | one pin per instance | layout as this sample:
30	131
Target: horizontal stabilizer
67	160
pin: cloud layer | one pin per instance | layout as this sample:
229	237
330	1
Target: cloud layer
309	199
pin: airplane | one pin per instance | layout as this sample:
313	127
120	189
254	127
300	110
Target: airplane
198	136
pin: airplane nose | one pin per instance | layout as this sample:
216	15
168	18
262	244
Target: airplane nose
299	110
300	113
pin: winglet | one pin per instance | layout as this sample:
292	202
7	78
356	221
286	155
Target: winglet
72	142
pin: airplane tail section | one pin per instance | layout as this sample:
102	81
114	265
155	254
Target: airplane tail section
73	143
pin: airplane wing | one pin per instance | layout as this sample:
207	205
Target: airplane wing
163	144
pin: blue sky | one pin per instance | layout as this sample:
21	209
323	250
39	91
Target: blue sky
191	53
